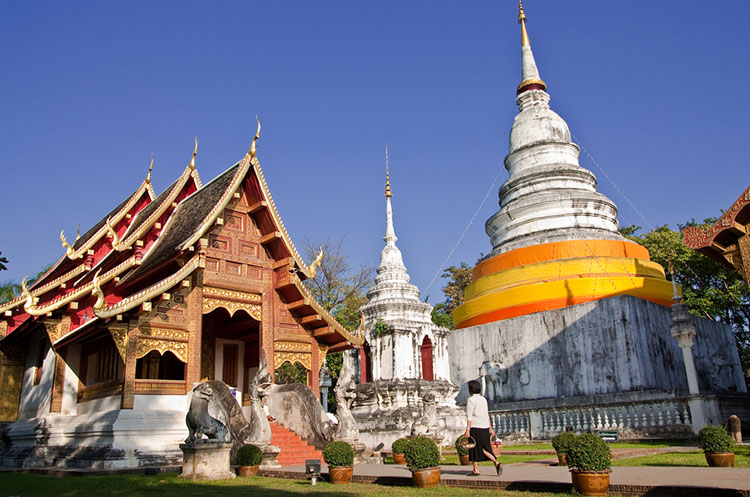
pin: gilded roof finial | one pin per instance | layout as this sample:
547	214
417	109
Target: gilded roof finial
195	152
150	167
522	21
387	176
78	231
253	149
25	292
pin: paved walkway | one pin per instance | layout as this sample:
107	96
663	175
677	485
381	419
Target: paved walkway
540	476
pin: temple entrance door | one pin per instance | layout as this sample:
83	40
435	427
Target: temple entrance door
231	349
426	350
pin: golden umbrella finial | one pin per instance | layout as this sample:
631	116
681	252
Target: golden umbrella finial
388	192
253	149
150	167
195	152
522	21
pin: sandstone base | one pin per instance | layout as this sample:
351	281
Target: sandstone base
206	461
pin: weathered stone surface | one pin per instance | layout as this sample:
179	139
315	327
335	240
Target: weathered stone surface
206	461
297	409
619	344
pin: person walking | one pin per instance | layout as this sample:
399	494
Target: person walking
479	428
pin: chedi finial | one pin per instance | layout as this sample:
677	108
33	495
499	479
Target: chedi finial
530	79
388	192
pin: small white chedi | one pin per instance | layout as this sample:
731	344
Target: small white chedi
404	378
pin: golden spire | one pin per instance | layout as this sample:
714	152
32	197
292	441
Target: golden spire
522	21
195	152
253	149
387	176
150	167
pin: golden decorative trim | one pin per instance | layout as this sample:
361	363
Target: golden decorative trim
322	351
148	293
52	326
195	152
316	263
100	304
69	252
303	358
164	333
221	293
522	20
529	82
388	192
44	288
146	345
253	149
62	300
119	332
293	346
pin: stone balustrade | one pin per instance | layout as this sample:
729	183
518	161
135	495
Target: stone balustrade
631	419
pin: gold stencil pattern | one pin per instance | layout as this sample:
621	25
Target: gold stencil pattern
293	347
304	358
146	345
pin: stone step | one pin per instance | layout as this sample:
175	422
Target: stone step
294	449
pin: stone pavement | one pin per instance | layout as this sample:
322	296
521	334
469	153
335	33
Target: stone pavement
541	476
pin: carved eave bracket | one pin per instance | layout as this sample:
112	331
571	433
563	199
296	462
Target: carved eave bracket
232	301
119	332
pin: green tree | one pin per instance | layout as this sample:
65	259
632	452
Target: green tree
458	277
340	289
710	289
12	289
290	373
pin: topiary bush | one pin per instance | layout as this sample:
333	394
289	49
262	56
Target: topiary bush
338	454
563	442
399	445
588	452
249	455
460	449
715	439
421	453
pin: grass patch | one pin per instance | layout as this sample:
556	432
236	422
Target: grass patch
695	458
169	485
505	459
613	445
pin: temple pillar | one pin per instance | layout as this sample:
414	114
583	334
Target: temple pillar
130	332
58	381
683	330
194	307
268	320
315	370
11	374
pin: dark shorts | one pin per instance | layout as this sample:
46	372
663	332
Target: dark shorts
482	437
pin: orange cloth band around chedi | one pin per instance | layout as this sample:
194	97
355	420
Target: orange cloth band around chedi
554	275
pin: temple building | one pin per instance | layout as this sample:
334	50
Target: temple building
728	240
565	314
97	356
404	383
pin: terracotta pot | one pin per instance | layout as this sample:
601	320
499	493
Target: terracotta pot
464	460
497	448
341	475
426	478
590	483
399	459
247	470
562	459
720	460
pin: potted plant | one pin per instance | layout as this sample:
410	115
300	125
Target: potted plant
423	458
339	456
589	460
718	446
562	443
462	451
397	448
248	459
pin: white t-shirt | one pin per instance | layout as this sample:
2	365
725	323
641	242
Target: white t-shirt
477	412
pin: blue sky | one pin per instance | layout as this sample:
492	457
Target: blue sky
655	91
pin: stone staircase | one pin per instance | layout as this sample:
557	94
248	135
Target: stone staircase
294	450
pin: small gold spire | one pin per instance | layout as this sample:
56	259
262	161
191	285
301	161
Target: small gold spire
195	152
522	21
253	149
387	176
78	231
150	167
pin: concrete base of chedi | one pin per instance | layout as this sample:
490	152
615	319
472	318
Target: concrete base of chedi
386	410
206	461
614	345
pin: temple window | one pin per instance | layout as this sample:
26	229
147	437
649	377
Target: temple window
426	350
156	366
107	361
